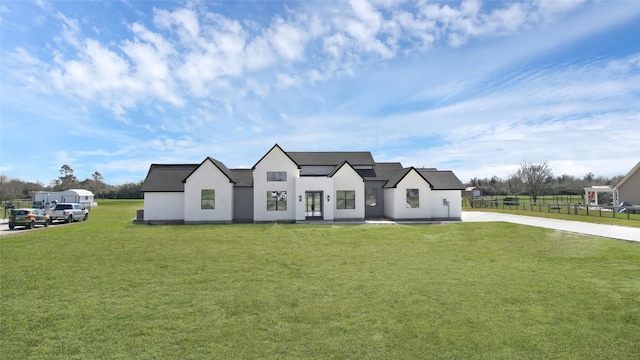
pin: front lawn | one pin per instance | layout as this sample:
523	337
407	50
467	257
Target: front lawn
108	289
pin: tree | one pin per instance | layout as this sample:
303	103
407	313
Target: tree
66	180
97	182
534	178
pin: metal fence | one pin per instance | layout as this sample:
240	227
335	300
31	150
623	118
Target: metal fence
619	212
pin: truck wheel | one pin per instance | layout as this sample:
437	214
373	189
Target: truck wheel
31	225
70	219
86	217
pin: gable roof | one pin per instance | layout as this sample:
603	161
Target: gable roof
338	167
437	179
270	150
167	178
217	164
628	176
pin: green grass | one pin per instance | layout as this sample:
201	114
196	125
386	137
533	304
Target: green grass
108	289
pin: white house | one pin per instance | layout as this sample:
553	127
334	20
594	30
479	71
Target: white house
299	186
628	189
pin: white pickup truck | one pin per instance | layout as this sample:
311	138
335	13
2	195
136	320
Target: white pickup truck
69	212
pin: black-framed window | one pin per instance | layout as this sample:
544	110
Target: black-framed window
276	200
276	176
207	199
345	199
371	196
413	198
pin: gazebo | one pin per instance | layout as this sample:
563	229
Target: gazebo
591	193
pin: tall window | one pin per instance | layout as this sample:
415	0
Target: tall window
345	199
276	176
208	199
371	197
413	198
276	200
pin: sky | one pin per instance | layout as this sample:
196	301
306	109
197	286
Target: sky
477	87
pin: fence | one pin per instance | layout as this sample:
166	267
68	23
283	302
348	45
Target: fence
620	212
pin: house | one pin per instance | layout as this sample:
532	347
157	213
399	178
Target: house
299	186
628	189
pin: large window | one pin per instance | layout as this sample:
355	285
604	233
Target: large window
208	199
276	176
345	199
371	197
276	200
413	198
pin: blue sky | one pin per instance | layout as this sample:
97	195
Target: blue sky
474	87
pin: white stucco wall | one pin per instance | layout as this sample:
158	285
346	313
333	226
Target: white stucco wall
347	179
163	206
275	160
208	177
395	201
439	210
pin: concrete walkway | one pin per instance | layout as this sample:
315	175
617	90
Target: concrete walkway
579	227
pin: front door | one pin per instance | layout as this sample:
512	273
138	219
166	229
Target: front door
313	201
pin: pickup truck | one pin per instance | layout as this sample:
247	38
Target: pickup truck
69	212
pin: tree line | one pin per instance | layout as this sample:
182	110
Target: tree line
532	179
11	188
538	179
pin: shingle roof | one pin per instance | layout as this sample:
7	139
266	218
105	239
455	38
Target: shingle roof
243	177
437	179
355	158
441	179
167	178
222	167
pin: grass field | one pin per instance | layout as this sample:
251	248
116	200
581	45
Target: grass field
108	289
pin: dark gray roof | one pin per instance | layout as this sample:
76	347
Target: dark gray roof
437	179
381	171
222	167
243	177
441	179
355	158
166	178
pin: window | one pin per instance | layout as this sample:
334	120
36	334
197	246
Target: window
413	198
276	176
371	197
345	199
276	200
208	199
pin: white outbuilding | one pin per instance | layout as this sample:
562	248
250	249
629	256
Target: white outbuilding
81	196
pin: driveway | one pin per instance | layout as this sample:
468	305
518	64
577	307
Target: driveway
4	228
607	231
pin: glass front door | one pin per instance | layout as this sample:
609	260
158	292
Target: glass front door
313	201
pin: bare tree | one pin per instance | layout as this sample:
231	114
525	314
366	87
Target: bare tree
534	178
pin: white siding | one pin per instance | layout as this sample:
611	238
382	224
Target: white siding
275	160
347	179
163	206
208	177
